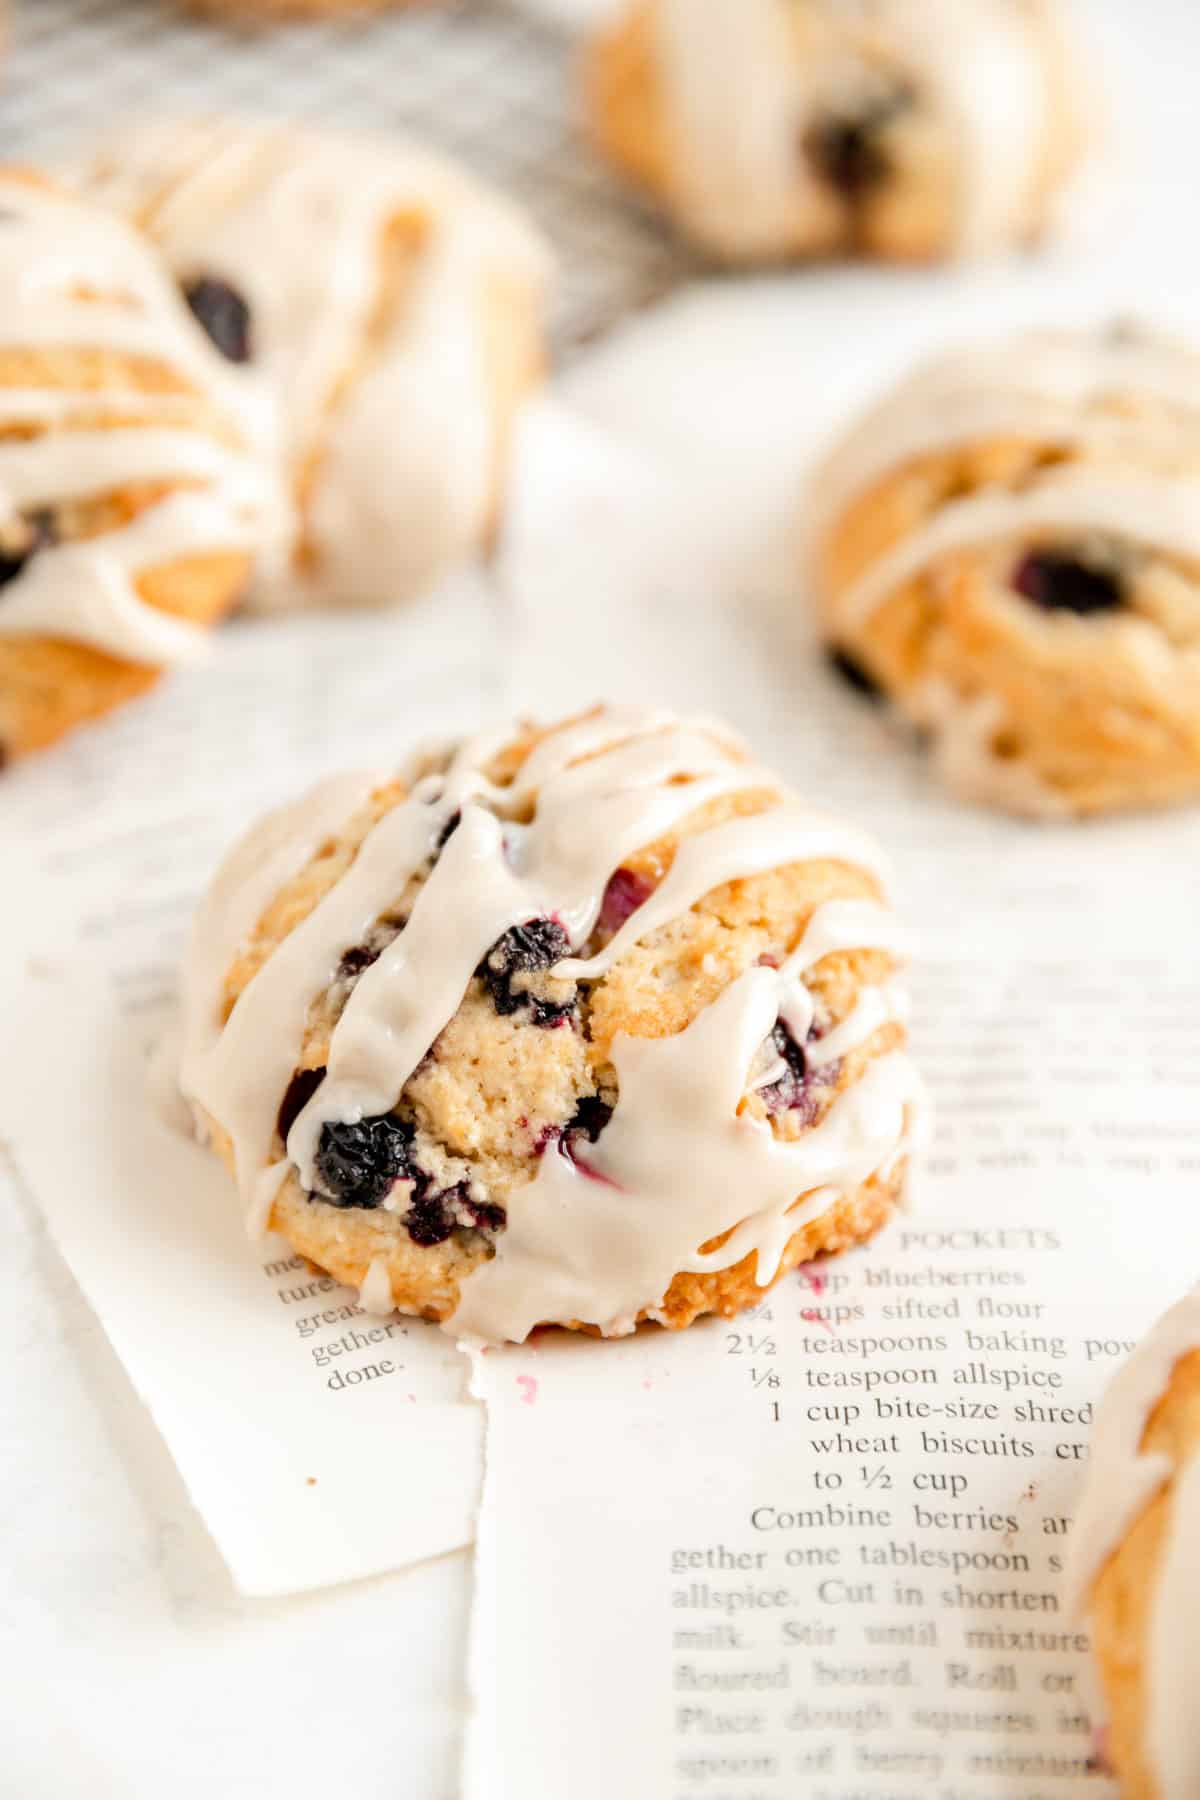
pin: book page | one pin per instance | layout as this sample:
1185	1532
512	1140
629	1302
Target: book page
817	1549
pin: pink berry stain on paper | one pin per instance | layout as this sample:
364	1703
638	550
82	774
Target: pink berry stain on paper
528	1386
816	1284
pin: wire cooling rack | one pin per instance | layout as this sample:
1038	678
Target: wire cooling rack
480	80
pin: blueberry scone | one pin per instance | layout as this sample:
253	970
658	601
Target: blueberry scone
132	498
584	1025
907	129
1008	548
392	303
1135	1568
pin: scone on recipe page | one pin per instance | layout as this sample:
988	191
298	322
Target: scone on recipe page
393	303
582	1024
1007	548
136	499
905	129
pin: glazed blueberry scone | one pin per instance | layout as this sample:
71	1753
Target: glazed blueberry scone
391	302
132	502
1135	1563
583	1026
1008	548
907	129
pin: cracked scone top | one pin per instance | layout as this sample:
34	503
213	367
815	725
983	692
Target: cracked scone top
393	304
1008	547
131	501
893	128
1135	1559
580	1026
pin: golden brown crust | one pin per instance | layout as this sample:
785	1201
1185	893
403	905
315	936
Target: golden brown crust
48	685
494	1090
852	1220
623	99
1084	721
1122	1599
913	217
427	1285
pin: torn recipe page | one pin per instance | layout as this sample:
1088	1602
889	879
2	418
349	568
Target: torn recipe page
818	1549
319	1442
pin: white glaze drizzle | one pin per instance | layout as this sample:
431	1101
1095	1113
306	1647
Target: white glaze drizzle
375	1293
590	815
599	790
252	872
737	848
295	221
53	250
1122	1481
1157	511
275	849
1051	387
675	1167
729	74
1048	388
740	92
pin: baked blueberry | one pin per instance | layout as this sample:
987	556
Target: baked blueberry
626	891
848	149
428	1220
484	1215
29	533
525	951
358	1165
853	673
300	1090
587	1121
1059	582
224	314
788	1091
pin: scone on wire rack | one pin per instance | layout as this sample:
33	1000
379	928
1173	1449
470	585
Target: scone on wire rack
133	501
905	129
1135	1561
582	1025
393	303
1008	547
